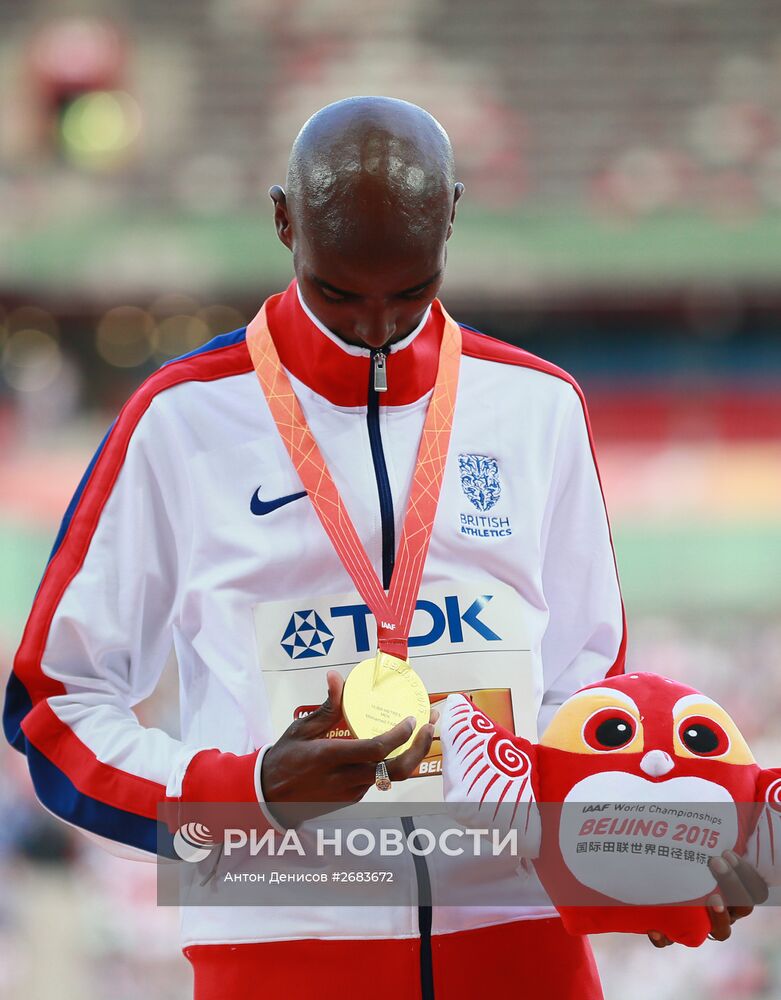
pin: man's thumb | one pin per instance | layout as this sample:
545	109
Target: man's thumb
329	713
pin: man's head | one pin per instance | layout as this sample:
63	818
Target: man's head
369	204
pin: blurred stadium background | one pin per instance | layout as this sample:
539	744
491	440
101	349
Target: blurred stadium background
622	218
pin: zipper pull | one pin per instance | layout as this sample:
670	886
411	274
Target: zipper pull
380	372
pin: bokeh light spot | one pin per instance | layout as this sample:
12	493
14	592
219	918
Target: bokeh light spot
31	360
124	337
99	127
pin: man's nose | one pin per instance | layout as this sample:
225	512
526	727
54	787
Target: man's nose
376	328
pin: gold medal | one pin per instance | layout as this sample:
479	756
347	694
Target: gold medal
379	694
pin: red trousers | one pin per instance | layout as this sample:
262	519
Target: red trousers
527	959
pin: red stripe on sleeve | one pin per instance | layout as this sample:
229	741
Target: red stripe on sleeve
59	744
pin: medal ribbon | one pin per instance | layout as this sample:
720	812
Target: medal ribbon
393	611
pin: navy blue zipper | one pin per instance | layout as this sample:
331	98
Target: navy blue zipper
388	559
381	475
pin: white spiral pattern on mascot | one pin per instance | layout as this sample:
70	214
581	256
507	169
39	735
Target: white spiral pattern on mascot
773	796
482	724
507	757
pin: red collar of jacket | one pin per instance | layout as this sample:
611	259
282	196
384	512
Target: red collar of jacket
339	371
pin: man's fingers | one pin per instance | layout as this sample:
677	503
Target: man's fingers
731	888
719	918
373	750
401	767
754	883
658	940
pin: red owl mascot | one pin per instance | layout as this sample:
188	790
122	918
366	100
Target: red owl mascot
636	783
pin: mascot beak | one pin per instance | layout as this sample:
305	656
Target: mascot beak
657	763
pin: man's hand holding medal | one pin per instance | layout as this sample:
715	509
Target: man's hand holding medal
304	768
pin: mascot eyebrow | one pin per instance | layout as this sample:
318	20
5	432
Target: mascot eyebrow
693	699
618	696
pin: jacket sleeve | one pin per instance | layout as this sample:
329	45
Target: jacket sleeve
97	638
585	639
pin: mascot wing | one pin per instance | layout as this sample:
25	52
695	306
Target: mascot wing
487	774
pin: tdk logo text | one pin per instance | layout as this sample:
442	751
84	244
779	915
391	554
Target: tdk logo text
307	636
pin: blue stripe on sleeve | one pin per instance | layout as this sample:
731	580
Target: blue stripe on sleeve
17	705
223	340
66	520
58	793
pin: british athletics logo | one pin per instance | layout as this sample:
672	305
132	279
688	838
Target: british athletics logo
482	487
480	480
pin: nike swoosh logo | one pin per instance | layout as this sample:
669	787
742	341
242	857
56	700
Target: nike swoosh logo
260	507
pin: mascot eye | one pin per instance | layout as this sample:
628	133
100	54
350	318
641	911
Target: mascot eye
609	729
703	736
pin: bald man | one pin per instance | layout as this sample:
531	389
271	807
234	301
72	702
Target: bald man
197	528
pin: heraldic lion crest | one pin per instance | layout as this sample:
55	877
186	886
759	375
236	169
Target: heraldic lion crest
480	480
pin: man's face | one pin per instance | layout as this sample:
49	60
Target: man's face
370	299
369	279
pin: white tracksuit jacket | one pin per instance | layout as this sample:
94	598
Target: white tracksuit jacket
186	533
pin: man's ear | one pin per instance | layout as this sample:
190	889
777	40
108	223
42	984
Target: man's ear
281	215
458	190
